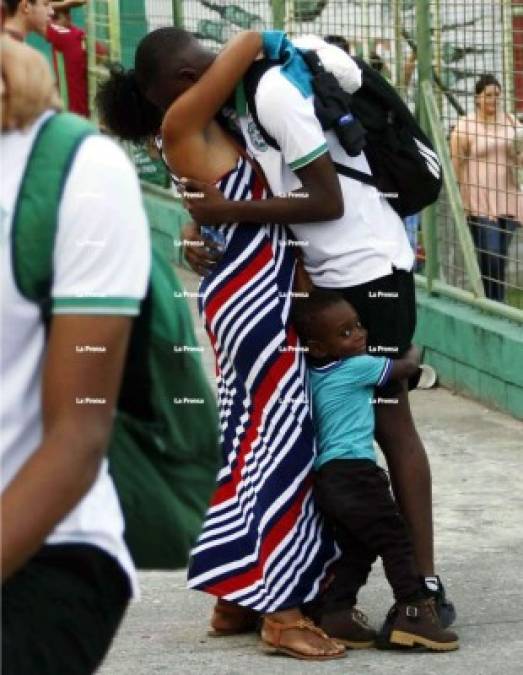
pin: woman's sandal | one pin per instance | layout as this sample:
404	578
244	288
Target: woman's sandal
271	638
228	618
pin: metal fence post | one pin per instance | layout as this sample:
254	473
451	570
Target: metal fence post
399	74
178	17
91	57
429	215
508	56
115	45
430	107
278	14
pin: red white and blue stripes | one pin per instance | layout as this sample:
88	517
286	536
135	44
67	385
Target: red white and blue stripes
262	544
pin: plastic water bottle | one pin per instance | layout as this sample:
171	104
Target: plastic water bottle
214	235
351	134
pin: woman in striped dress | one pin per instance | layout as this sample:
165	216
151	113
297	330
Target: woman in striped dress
262	546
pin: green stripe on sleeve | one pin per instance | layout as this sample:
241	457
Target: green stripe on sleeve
307	159
96	305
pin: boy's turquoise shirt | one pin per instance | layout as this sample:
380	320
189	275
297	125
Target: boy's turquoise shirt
343	406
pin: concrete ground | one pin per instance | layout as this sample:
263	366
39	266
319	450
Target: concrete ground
477	466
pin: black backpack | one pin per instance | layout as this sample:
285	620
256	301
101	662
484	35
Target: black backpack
405	167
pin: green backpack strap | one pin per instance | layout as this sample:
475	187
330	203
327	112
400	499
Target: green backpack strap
35	219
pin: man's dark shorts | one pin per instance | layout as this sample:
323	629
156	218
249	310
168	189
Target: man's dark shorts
387	309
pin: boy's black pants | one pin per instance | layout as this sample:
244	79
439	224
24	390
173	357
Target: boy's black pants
61	610
355	498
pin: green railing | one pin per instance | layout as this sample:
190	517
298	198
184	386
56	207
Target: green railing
432	50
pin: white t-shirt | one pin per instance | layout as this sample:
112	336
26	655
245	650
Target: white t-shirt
101	266
370	238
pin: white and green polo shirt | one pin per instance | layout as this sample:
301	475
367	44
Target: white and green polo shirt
101	266
369	239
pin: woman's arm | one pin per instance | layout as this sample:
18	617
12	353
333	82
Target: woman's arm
196	107
320	198
459	150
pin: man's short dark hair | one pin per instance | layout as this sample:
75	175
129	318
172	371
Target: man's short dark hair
161	49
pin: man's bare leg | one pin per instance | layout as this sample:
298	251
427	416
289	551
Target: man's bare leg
410	476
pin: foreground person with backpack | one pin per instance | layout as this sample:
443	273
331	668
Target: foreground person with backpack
67	575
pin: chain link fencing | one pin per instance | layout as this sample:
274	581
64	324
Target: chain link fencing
469	38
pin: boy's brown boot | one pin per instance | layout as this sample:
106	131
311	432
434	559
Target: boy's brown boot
350	627
417	624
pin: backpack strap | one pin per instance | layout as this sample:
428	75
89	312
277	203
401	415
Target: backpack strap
35	220
360	176
250	85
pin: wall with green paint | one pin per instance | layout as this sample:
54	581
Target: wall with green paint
474	353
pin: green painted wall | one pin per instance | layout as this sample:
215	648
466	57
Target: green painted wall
474	353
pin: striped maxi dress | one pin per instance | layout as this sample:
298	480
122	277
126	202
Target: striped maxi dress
262	544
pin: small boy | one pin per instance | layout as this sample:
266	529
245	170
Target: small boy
351	490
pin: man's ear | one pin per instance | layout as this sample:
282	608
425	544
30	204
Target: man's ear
187	73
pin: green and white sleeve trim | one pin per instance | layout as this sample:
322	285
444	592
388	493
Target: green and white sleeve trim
310	157
96	305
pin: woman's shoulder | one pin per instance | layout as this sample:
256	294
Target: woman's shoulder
510	120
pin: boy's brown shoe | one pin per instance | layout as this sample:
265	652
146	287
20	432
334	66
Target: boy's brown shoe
417	624
350	627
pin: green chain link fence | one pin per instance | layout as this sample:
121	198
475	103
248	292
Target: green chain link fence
433	51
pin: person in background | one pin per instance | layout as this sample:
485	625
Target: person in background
69	56
485	153
52	20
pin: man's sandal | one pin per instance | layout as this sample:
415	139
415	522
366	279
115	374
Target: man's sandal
271	638
228	618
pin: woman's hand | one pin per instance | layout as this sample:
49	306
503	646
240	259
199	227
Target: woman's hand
205	203
201	254
27	84
302	281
